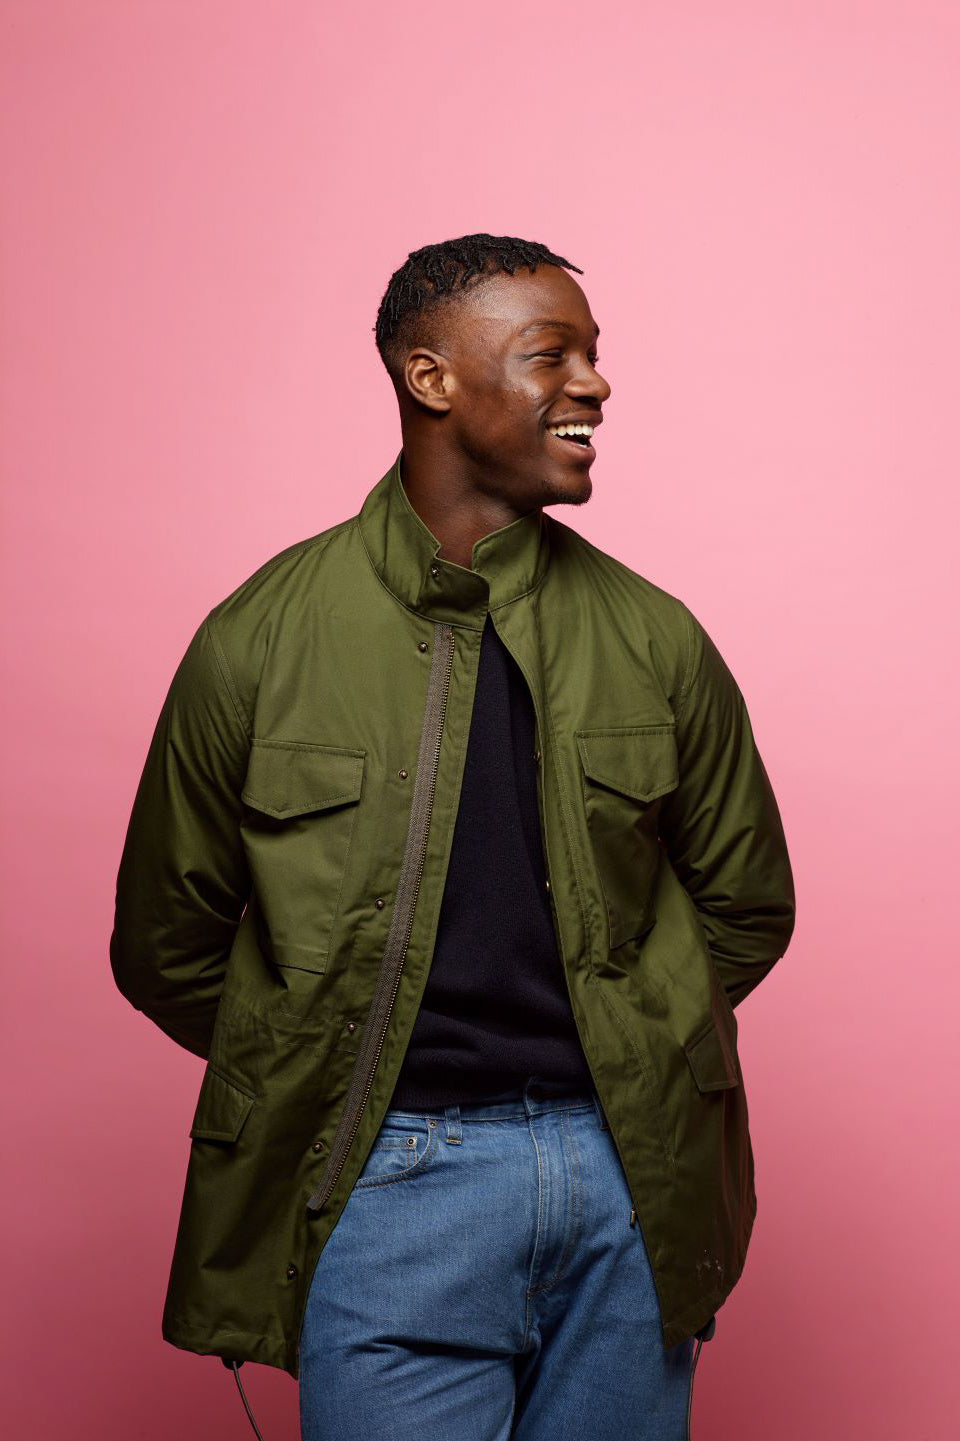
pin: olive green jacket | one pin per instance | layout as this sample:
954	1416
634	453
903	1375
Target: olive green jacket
280	886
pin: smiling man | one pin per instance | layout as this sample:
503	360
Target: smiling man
452	856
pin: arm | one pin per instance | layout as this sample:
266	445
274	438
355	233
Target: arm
721	826
183	881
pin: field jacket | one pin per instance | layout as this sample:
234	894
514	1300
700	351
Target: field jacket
281	878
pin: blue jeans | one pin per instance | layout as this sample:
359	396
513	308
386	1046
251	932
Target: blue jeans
483	1283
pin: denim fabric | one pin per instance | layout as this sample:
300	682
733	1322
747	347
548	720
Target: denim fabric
483	1283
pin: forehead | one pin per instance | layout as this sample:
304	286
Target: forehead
516	306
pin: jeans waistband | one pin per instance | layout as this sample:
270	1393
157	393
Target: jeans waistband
537	1098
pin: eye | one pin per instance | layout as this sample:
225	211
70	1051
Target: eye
558	354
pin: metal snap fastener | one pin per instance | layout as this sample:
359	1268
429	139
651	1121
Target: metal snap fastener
422	645
548	885
411	1140
536	756
402	774
351	1026
318	1145
291	1271
431	1123
379	903
434	571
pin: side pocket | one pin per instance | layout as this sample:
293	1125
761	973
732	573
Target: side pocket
712	1056
222	1109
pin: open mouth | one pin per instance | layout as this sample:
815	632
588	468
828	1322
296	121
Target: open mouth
576	436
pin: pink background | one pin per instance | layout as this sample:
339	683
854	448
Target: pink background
202	204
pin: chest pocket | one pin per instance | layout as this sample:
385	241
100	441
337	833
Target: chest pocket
626	770
301	810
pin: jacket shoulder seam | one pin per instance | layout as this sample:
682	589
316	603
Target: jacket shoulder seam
687	683
226	676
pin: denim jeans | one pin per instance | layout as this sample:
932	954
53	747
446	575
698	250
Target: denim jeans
484	1283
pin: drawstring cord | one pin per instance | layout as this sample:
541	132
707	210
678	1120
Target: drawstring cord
702	1335
234	1366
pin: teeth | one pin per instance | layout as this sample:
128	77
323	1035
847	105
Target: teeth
570	429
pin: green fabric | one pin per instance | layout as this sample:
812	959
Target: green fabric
272	815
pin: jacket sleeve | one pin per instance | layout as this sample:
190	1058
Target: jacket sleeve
183	881
721	826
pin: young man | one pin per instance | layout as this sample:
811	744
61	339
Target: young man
453	855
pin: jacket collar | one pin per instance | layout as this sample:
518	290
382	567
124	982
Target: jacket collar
505	564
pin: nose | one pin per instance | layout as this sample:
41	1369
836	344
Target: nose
587	382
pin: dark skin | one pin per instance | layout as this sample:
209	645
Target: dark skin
474	408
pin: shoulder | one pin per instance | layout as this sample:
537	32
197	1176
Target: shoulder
279	593
296	566
631	601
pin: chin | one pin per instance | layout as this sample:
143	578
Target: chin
568	489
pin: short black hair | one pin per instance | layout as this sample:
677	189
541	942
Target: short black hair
430	275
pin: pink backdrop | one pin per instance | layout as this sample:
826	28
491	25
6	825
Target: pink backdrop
202	204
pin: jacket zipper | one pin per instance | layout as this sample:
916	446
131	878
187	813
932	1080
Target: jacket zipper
401	923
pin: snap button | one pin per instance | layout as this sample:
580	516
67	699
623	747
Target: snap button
291	1271
351	1026
548	885
379	903
317	1146
536	756
434	571
422	645
411	1140
402	774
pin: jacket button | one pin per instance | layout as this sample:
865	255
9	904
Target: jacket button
379	903
422	645
548	885
434	571
351	1026
402	774
291	1271
536	756
317	1146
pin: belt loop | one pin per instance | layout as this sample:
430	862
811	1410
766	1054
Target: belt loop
599	1110
451	1116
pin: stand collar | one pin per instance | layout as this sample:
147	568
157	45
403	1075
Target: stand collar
403	551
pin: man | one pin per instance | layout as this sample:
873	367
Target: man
453	855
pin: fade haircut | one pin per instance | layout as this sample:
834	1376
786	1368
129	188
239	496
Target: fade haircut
428	278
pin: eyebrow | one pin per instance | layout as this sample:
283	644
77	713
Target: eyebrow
553	325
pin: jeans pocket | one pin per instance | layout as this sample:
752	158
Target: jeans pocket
402	1150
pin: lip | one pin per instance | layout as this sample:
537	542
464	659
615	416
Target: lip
572	447
591	418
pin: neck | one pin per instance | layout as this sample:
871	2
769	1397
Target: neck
443	489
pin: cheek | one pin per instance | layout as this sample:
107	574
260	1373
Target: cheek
521	408
505	419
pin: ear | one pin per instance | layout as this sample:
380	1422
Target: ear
429	379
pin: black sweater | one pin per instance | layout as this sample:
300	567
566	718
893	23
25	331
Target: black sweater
495	1010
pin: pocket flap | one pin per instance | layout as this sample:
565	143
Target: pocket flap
713	1060
638	761
222	1108
290	778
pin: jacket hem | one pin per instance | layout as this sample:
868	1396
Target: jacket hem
206	1340
695	1317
